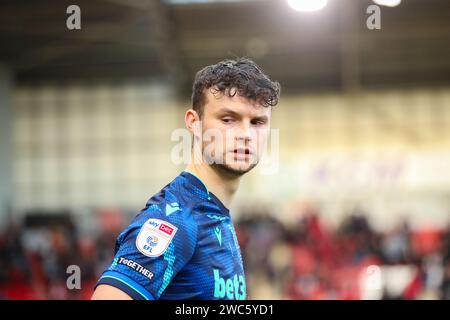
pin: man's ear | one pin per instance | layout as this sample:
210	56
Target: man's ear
192	121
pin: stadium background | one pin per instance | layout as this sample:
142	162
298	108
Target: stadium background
359	207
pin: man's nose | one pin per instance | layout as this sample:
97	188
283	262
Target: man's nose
245	131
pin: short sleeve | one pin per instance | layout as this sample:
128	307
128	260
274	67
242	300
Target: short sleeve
151	251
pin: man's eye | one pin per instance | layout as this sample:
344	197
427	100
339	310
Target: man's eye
227	120
258	122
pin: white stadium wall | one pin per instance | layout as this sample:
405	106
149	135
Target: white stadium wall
110	146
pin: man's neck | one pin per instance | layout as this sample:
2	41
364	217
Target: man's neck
221	185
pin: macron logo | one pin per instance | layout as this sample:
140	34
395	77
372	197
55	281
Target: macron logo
171	208
218	233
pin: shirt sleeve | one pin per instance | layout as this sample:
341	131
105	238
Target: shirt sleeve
150	252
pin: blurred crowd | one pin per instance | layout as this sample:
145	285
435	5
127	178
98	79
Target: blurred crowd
308	260
302	260
36	252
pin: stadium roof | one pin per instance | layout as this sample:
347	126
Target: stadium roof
327	50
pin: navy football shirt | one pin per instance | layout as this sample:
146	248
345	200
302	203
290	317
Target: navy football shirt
182	245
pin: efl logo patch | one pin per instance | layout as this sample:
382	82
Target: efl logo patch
155	237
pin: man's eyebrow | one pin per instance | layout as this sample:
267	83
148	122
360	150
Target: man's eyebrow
227	111
261	118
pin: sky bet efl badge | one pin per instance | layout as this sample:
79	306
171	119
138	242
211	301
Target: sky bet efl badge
154	237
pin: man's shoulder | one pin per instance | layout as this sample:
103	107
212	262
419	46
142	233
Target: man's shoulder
170	206
164	219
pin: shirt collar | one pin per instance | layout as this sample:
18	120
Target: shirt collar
197	182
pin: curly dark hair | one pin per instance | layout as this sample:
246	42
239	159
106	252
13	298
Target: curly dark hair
241	74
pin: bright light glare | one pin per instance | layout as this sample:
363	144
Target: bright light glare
388	3
307	5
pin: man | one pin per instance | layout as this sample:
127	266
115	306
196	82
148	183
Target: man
183	245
